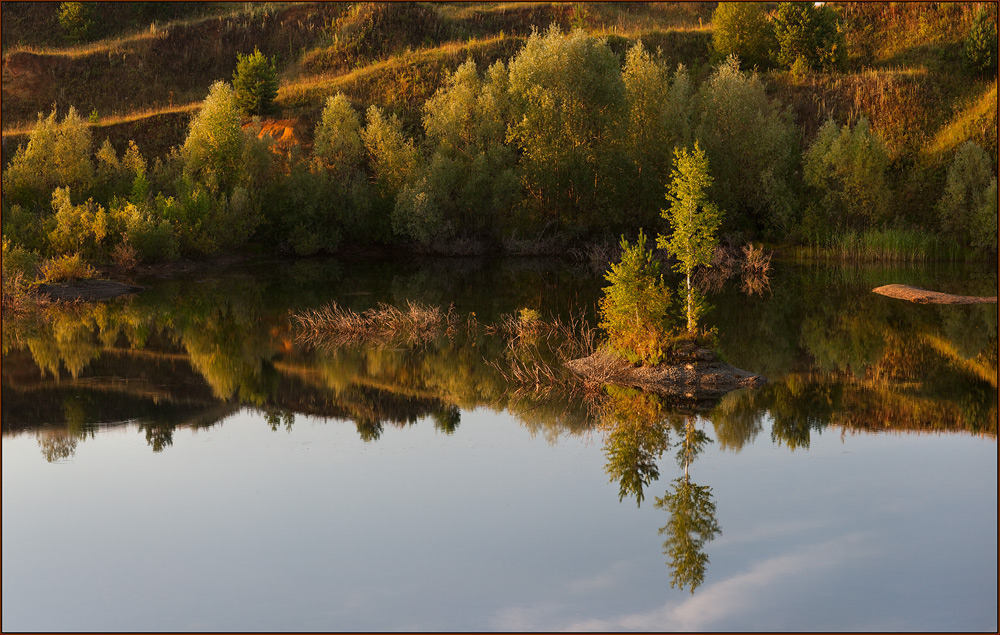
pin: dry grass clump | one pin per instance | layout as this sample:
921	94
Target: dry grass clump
756	269
538	349
334	325
16	298
752	263
66	268
125	256
596	256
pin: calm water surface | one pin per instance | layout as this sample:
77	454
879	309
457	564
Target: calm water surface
178	460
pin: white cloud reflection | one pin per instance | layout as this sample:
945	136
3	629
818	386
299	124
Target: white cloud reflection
724	605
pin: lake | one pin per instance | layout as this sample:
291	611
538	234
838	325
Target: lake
181	460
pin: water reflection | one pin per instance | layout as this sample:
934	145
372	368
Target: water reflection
636	427
191	352
692	521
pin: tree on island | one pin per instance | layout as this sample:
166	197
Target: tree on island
694	221
635	306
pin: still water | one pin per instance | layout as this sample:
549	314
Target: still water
178	460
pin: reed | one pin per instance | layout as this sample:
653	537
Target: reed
881	245
538	349
333	325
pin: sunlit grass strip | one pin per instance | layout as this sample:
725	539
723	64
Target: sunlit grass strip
333	325
114	120
315	86
966	124
115	44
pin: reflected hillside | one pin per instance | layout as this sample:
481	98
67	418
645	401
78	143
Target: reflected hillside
191	351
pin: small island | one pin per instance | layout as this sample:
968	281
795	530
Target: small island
646	348
698	374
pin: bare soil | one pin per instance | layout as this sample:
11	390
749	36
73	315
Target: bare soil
700	376
86	290
922	296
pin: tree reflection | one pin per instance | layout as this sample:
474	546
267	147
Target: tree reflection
275	419
56	445
636	430
833	356
158	435
447	419
692	516
369	430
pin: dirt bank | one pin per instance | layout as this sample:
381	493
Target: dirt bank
922	296
86	290
700	376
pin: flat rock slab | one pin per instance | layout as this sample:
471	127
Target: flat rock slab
703	377
923	296
86	290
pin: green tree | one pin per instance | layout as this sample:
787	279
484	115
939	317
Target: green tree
812	33
694	221
968	208
751	143
634	308
337	142
77	20
846	169
213	152
658	112
743	29
980	50
58	154
393	159
256	83
568	105
468	183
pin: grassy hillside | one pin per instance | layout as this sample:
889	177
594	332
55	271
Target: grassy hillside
142	76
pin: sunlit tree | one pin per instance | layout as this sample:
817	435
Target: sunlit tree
694	221
743	29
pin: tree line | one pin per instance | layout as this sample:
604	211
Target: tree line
565	140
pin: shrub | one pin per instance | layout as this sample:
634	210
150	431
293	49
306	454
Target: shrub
77	20
968	208
24	228
213	151
255	82
847	171
58	154
338	136
307	209
634	308
980	50
145	233
18	262
64	268
802	29
78	228
124	255
742	29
